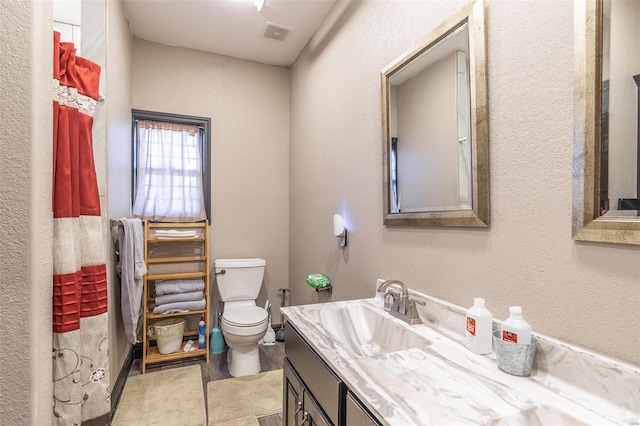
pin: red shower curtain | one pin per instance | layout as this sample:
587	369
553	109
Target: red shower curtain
80	328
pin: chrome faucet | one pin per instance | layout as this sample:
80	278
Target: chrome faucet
402	306
398	298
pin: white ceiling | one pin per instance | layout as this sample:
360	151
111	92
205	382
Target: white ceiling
229	27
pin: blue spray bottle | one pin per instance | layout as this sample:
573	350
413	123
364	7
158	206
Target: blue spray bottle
201	339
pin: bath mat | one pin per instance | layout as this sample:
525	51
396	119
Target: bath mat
258	395
168	397
242	421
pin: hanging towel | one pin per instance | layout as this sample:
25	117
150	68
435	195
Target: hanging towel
178	286
132	270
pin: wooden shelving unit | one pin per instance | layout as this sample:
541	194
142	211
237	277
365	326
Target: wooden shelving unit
174	258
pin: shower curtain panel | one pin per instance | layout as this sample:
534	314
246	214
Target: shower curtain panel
81	392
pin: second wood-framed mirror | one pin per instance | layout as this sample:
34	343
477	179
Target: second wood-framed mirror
435	127
606	163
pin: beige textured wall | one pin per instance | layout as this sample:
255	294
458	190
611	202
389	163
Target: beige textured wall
584	293
25	206
118	163
249	108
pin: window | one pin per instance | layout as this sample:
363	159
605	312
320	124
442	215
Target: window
171	167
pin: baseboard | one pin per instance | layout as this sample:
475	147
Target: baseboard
116	391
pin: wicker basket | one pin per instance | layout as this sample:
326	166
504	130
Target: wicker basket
168	334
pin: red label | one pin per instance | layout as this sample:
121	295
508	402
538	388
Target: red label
509	336
471	326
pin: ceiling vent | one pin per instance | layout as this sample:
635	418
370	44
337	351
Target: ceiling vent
276	32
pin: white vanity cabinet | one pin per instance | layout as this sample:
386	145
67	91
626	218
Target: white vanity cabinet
313	394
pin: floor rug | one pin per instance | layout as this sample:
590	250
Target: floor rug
232	399
242	421
167	397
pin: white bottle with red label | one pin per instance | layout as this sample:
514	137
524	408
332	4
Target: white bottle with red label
515	329
479	325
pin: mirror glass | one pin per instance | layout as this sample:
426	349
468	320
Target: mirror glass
606	167
434	127
431	157
619	161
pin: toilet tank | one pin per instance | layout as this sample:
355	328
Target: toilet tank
241	280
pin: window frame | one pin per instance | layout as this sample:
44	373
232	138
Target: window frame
203	122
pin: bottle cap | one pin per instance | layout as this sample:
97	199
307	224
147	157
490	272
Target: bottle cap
479	302
515	311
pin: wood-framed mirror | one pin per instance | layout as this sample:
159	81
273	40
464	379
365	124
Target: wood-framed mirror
606	135
435	127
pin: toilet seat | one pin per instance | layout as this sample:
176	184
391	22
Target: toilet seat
244	320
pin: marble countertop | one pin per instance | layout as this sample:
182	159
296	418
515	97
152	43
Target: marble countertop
443	382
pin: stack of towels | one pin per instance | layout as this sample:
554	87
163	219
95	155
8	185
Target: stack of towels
179	296
168	234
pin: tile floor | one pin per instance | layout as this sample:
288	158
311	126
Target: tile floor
271	358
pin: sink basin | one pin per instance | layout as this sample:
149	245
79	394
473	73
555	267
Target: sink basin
365	331
543	415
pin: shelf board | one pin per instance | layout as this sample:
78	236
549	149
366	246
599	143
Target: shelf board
153	260
153	355
175	314
175	276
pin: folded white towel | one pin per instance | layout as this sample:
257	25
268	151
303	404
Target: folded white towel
180	297
181	237
175	231
172	233
169	308
178	286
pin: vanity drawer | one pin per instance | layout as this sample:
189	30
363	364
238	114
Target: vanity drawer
318	378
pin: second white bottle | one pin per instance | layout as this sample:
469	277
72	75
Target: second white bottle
479	327
515	329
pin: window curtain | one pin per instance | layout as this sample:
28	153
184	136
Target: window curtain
80	326
169	172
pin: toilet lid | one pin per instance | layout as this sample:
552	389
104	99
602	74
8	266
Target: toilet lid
245	315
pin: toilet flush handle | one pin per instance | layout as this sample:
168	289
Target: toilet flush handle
222	272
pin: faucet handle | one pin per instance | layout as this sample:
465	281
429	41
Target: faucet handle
388	301
412	312
418	301
391	300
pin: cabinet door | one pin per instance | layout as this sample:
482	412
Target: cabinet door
357	415
292	396
324	384
312	414
299	406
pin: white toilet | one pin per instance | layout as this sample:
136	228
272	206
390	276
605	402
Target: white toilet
243	323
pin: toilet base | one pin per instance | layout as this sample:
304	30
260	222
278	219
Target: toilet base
243	360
